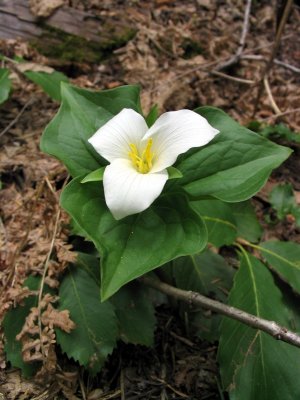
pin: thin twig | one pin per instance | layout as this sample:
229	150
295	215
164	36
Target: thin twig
122	385
194	298
82	388
287	66
234	59
231	78
257	57
41	289
16	119
276	45
271	98
209	64
176	391
282	114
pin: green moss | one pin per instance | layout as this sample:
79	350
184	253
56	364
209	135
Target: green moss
55	43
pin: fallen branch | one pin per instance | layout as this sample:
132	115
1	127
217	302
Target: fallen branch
271	98
276	45
194	298
16	119
282	114
231	78
237	56
276	61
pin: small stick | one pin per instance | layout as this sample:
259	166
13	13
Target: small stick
122	385
282	114
276	45
41	289
16	119
276	61
287	66
231	78
237	56
271	98
194	298
82	388
208	64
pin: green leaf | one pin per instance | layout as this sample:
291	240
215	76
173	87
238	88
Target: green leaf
283	200
152	116
12	325
219	220
226	221
209	274
246	221
81	114
275	131
135	313
94	176
206	273
255	366
296	213
234	166
5	84
136	244
90	264
284	257
174	173
49	82
96	326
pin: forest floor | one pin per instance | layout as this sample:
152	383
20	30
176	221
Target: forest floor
177	56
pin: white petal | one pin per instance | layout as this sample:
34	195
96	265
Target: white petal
112	140
127	191
176	132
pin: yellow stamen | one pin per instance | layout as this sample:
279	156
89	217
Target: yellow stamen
142	164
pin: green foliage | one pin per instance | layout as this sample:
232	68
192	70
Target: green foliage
12	326
254	366
207	200
83	112
5	84
246	221
152	115
209	274
219	220
226	221
94	176
174	173
277	131
122	243
96	325
234	166
284	258
206	273
49	82
283	201
135	313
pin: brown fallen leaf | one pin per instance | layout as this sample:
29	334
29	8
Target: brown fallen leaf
29	66
44	8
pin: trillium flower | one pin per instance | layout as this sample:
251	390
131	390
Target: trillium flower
139	156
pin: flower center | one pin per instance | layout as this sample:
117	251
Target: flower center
142	163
